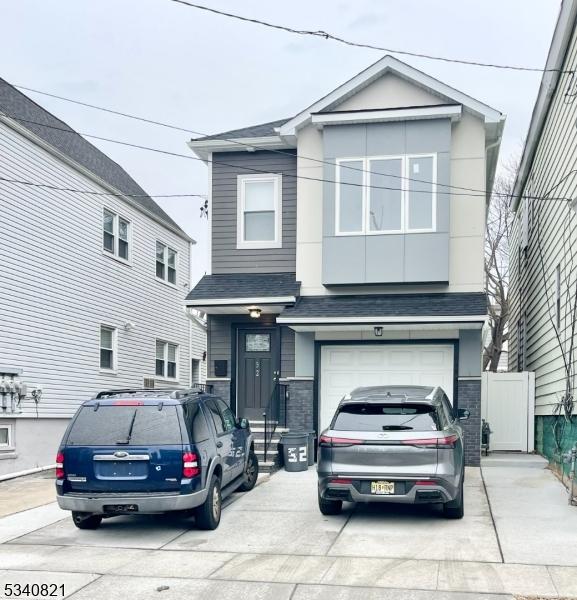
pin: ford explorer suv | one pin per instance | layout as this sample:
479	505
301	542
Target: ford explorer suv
150	451
393	444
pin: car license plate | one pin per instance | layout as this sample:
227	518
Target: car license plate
382	488
120	508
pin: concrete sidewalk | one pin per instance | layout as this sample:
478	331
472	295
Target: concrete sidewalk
26	492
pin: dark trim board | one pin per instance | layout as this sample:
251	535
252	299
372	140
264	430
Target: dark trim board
436	342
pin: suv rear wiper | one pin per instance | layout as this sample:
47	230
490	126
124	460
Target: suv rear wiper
129	434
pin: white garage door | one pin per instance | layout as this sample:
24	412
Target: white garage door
343	368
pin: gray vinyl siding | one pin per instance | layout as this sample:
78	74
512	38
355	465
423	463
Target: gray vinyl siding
58	286
220	341
198	347
554	224
226	258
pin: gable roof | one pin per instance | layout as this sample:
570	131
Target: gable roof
253	131
60	136
390	64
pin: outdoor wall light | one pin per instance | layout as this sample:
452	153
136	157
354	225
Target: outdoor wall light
378	331
254	311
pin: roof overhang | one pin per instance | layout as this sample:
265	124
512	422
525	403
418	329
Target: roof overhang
555	60
218	306
414	330
384	320
203	148
452	112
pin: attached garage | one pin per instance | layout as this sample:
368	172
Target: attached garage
344	367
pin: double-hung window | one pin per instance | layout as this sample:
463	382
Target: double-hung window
165	263
107	348
386	194
166	360
259	219
115	235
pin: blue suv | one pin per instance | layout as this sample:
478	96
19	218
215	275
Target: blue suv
151	451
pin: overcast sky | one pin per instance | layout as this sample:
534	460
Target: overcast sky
165	61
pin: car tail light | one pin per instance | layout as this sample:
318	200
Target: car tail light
327	440
426	482
128	403
60	466
445	442
341	481
190	466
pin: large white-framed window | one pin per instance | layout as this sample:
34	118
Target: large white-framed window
386	194
166	263
259	211
166	360
108	348
6	437
116	235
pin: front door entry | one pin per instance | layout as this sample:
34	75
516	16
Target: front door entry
258	370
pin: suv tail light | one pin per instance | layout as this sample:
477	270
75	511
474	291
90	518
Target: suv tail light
335	442
190	466
445	442
60	466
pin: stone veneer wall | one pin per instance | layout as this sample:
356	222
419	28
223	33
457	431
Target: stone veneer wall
470	398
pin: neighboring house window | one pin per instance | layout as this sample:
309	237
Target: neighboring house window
521	344
386	194
115	234
6	437
165	263
166	360
558	297
107	347
259	220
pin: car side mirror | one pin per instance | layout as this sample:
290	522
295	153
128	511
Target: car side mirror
464	414
243	423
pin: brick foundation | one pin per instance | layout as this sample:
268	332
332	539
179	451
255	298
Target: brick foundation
470	399
221	388
300	404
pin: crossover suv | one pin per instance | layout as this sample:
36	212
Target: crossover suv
151	451
393	444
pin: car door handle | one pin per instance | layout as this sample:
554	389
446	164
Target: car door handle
219	444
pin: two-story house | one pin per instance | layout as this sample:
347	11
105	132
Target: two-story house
93	276
347	247
543	247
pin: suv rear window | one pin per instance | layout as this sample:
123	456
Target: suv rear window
386	417
125	425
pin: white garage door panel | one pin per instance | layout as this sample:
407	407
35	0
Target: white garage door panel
343	368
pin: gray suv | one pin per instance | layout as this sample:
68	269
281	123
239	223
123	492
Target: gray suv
393	444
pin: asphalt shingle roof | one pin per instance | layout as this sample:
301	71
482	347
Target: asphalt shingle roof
390	305
46	126
245	285
261	130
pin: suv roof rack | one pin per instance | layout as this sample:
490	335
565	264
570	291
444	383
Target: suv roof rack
174	393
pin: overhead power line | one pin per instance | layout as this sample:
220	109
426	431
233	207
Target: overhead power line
329	36
252	169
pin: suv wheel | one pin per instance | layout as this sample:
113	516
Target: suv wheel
84	520
250	473
330	507
208	514
456	508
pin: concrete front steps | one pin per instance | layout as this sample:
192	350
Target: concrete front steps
273	454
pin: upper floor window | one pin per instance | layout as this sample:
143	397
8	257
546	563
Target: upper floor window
259	220
166	360
115	235
108	348
165	263
386	194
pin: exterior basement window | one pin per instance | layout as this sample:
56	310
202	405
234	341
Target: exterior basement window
115	235
166	360
165	263
386	194
259	220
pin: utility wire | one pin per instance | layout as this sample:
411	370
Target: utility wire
328	36
260	171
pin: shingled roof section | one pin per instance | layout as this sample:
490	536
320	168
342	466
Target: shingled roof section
390	305
30	115
254	131
244	285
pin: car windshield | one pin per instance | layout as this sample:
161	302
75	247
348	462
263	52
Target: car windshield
125	425
386	417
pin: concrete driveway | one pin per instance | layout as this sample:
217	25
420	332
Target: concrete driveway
520	538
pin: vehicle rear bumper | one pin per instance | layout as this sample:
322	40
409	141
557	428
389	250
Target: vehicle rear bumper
440	491
95	503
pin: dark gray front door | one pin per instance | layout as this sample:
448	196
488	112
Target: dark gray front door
257	370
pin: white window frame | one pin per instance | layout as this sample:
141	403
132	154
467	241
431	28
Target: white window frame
164	376
241	243
116	230
557	296
405	186
114	367
167	247
9	446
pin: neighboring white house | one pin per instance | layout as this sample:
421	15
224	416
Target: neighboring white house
92	284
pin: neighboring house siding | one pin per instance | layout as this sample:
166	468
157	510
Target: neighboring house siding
58	287
198	347
551	225
226	258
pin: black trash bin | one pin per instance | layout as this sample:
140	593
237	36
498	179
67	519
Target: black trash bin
295	446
